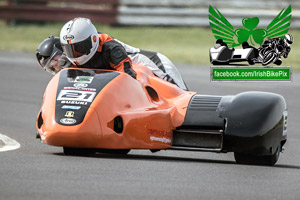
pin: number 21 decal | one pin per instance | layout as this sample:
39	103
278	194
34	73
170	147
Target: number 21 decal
76	95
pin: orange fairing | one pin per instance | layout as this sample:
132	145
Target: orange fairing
123	114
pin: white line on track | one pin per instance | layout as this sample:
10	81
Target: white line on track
7	144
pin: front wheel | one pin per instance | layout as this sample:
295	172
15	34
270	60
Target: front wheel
249	159
114	151
269	57
78	151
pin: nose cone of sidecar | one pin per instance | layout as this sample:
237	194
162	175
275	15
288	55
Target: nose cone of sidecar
83	135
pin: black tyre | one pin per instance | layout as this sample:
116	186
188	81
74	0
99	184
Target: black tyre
114	151
249	159
78	151
278	62
220	63
251	62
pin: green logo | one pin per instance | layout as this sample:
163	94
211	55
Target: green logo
222	29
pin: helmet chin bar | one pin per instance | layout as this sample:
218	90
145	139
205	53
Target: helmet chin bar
68	50
85	58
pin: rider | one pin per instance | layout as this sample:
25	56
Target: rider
278	45
160	65
86	48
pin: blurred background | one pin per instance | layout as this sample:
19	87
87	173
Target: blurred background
177	28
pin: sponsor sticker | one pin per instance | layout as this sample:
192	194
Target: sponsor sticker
67	121
160	139
84	79
68	37
81	89
80	85
94	38
67	107
285	122
69	114
159	133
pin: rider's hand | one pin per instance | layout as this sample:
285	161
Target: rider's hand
130	72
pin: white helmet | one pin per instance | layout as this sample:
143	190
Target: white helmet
288	39
79	40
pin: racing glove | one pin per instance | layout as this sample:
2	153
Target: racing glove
128	70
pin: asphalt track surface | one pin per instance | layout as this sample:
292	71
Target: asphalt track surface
38	171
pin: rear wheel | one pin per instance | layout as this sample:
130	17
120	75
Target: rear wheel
78	151
249	159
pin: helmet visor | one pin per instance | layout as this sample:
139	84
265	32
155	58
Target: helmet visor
52	63
42	59
78	49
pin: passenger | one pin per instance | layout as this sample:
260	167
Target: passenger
49	55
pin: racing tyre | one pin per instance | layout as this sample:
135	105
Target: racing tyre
248	159
78	151
114	151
